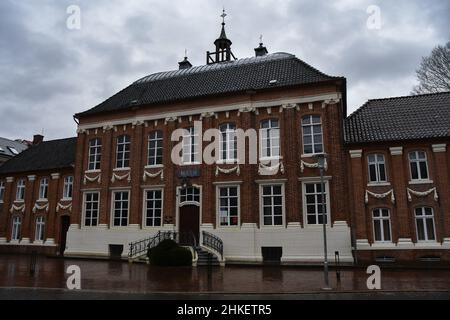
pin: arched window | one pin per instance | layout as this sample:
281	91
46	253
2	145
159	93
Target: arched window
270	139
381	225
228	143
123	152
425	224
95	154
312	134
155	148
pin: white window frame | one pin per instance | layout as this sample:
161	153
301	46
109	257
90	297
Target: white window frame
123	151
327	200
191	146
267	137
95	152
377	163
145	208
218	206
381	219
68	187
313	143
153	159
39	234
2	190
84	209
228	139
43	189
113	208
417	162
20	190
192	194
16	228
261	205
424	218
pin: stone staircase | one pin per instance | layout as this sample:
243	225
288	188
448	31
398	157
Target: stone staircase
204	257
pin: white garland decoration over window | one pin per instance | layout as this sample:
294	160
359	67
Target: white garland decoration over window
266	170
379	195
304	164
153	175
64	207
39	207
120	178
422	194
96	178
17	208
227	171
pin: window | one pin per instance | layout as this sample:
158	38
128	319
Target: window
68	187
91	208
43	188
13	150
270	139
190	146
153	208
313	202
425	224
272	205
123	152
155	148
228	206
120	208
20	192
95	154
40	226
377	168
381	225
2	190
228	143
418	165
16	224
190	194
312	134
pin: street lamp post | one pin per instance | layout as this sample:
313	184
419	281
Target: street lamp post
321	160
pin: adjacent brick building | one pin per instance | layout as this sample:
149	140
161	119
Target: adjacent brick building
126	187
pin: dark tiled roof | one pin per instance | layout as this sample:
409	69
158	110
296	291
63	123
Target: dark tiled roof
48	155
401	118
6	145
208	80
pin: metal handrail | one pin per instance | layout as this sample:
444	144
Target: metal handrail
213	242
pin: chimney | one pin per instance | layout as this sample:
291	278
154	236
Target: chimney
261	50
185	64
37	138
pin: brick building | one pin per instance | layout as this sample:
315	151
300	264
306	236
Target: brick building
126	186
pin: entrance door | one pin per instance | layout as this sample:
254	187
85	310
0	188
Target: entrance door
65	224
189	220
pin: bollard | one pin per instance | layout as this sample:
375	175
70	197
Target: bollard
337	263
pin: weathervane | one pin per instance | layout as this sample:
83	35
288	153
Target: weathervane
260	39
223	15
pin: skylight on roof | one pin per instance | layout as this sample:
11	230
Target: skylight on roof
2	150
13	150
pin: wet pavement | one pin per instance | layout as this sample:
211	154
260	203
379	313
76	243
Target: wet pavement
122	277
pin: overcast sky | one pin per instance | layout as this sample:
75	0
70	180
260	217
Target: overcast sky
49	72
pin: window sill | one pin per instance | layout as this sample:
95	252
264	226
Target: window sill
154	166
231	161
420	182
378	184
93	171
65	199
311	155
122	169
42	200
270	158
19	201
190	164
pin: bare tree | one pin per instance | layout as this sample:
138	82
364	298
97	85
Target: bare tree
434	71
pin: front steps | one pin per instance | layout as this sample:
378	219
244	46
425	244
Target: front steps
204	257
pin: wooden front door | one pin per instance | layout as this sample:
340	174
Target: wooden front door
190	220
65	224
